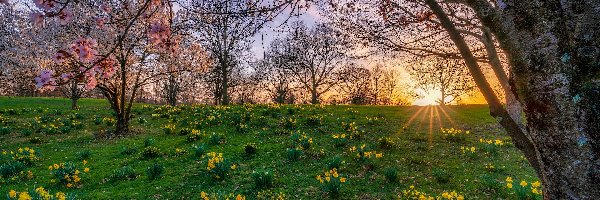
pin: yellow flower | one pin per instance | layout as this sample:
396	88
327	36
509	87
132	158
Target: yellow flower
523	183
12	194
509	185
86	170
60	196
320	178
240	197
445	195
84	162
379	155
460	197
328	179
509	179
24	196
203	195
535	191
343	180
472	149
233	167
69	185
535	184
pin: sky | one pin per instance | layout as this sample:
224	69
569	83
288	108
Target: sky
312	16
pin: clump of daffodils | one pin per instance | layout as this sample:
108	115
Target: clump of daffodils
217	166
339	140
302	140
169	129
362	153
67	174
454	135
331	182
524	190
469	151
230	196
491	146
414	193
38	193
25	155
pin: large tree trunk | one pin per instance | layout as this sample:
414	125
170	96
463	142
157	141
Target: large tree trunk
554	52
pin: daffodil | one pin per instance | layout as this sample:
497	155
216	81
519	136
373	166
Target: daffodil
523	183
12	194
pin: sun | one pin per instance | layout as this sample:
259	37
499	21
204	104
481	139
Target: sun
427	98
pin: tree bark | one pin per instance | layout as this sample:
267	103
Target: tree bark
521	140
74	103
554	51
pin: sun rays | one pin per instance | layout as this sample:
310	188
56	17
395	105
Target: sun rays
432	118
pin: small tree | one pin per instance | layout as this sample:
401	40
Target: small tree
448	76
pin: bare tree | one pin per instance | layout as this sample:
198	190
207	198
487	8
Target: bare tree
449	77
225	28
314	58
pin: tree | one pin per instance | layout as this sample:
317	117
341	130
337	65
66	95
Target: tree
560	100
449	77
182	71
314	58
553	75
276	81
127	41
225	27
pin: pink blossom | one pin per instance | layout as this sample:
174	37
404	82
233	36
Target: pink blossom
106	68
36	18
158	33
89	76
100	22
83	48
45	79
65	16
66	77
106	8
60	56
91	83
44	4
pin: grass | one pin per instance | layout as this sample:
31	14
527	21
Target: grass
419	154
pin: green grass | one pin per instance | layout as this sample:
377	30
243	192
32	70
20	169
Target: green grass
420	155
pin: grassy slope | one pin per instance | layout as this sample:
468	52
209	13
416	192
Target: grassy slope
420	155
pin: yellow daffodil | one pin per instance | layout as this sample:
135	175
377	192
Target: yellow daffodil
86	170
12	194
85	162
523	183
509	179
60	196
535	184
240	197
24	196
509	185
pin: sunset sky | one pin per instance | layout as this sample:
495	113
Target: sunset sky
310	17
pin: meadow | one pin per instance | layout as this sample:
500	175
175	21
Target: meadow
258	152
